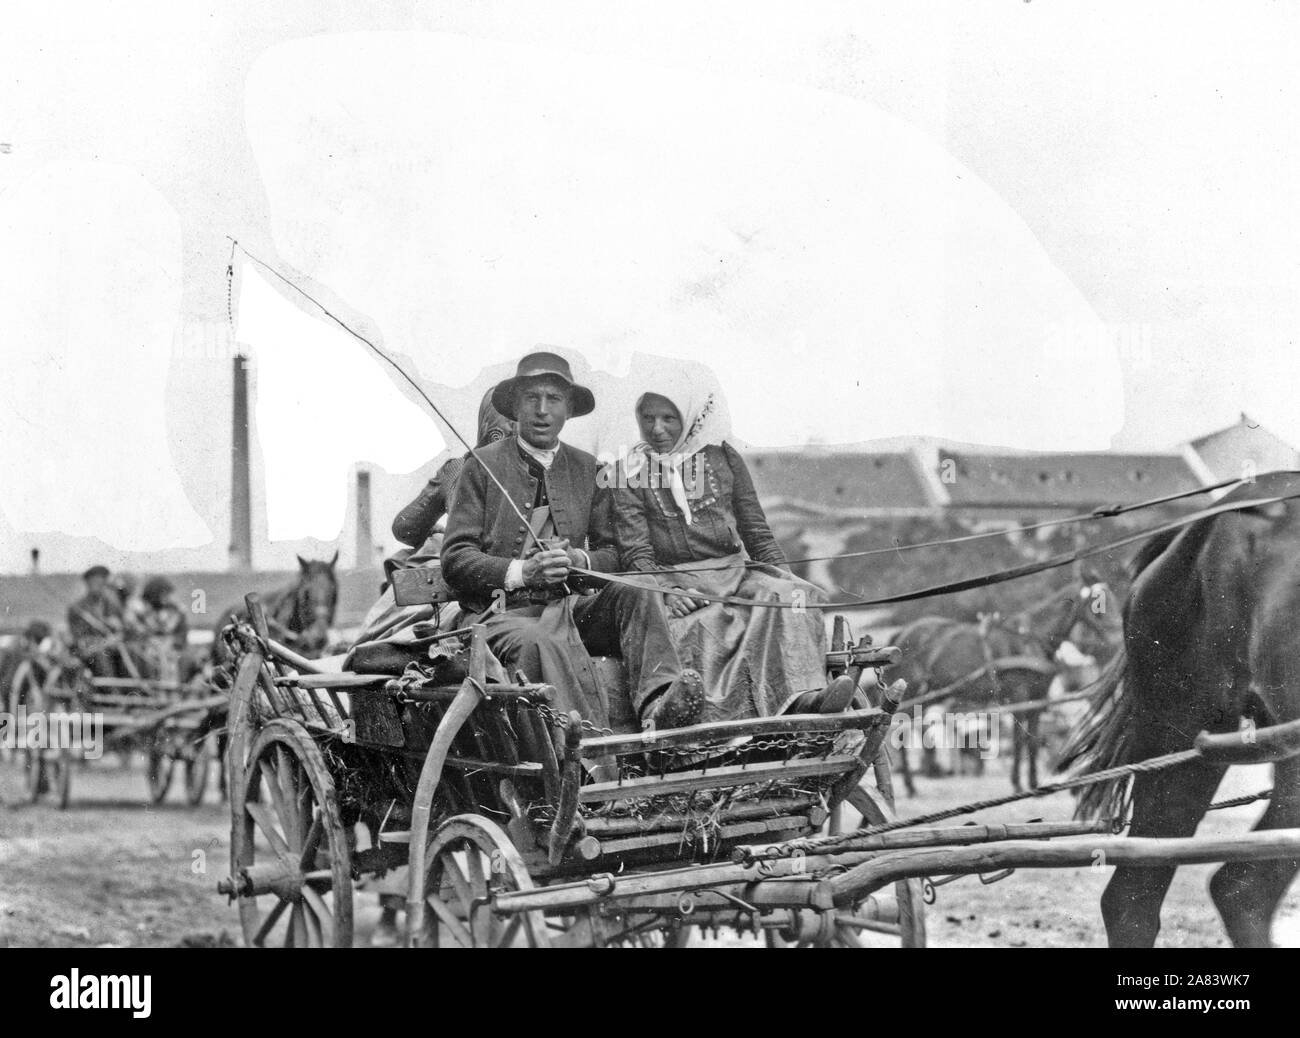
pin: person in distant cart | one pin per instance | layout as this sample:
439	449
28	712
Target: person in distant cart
161	617
95	622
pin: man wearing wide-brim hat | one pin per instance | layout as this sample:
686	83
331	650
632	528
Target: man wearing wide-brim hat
513	568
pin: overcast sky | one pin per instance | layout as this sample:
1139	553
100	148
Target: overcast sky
1028	224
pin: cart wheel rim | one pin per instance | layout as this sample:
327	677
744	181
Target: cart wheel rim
287	826
470	858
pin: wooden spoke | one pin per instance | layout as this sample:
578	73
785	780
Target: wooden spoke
268	924
297	935
464	890
324	920
276	795
307	860
449	919
266	823
508	932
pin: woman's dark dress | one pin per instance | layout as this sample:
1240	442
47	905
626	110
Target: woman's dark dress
754	661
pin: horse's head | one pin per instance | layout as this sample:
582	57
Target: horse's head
315	598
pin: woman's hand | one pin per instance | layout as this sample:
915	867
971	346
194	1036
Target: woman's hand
680	605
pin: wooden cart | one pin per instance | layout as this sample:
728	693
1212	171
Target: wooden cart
482	791
150	710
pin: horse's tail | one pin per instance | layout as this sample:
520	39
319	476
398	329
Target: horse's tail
1103	739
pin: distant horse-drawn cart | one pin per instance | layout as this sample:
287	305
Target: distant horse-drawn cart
145	708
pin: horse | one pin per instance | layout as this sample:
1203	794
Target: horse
1209	644
996	661
299	615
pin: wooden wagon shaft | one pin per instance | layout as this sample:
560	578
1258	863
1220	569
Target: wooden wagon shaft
785	724
466	702
756	879
1142	852
713	778
135	727
781	885
957	835
1252	745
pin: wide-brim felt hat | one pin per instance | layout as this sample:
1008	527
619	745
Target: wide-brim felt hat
95	571
537	365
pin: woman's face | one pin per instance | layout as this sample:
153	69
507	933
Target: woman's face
660	421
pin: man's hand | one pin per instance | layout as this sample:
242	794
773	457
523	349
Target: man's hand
548	567
682	605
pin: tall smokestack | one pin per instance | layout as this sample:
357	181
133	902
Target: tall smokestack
365	542
241	507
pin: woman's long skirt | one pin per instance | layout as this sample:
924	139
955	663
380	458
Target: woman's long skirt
754	661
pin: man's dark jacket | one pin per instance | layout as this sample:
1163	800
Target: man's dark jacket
484	533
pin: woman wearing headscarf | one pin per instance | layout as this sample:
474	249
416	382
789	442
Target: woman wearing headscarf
687	512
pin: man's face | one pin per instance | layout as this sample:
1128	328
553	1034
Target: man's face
542	406
96	585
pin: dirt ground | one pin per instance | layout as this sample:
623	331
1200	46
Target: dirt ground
114	870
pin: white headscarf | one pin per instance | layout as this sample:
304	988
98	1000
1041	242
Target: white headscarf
705	420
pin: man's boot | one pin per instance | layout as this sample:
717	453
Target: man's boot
679	706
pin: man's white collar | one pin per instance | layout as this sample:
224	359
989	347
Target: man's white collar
544	457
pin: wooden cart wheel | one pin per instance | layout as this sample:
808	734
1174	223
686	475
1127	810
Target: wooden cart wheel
159	771
24	687
469	859
886	917
290	859
198	766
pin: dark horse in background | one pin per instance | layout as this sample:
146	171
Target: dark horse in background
997	661
1211	640
298	615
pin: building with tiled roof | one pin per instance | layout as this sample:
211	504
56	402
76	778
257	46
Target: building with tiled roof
1043	484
